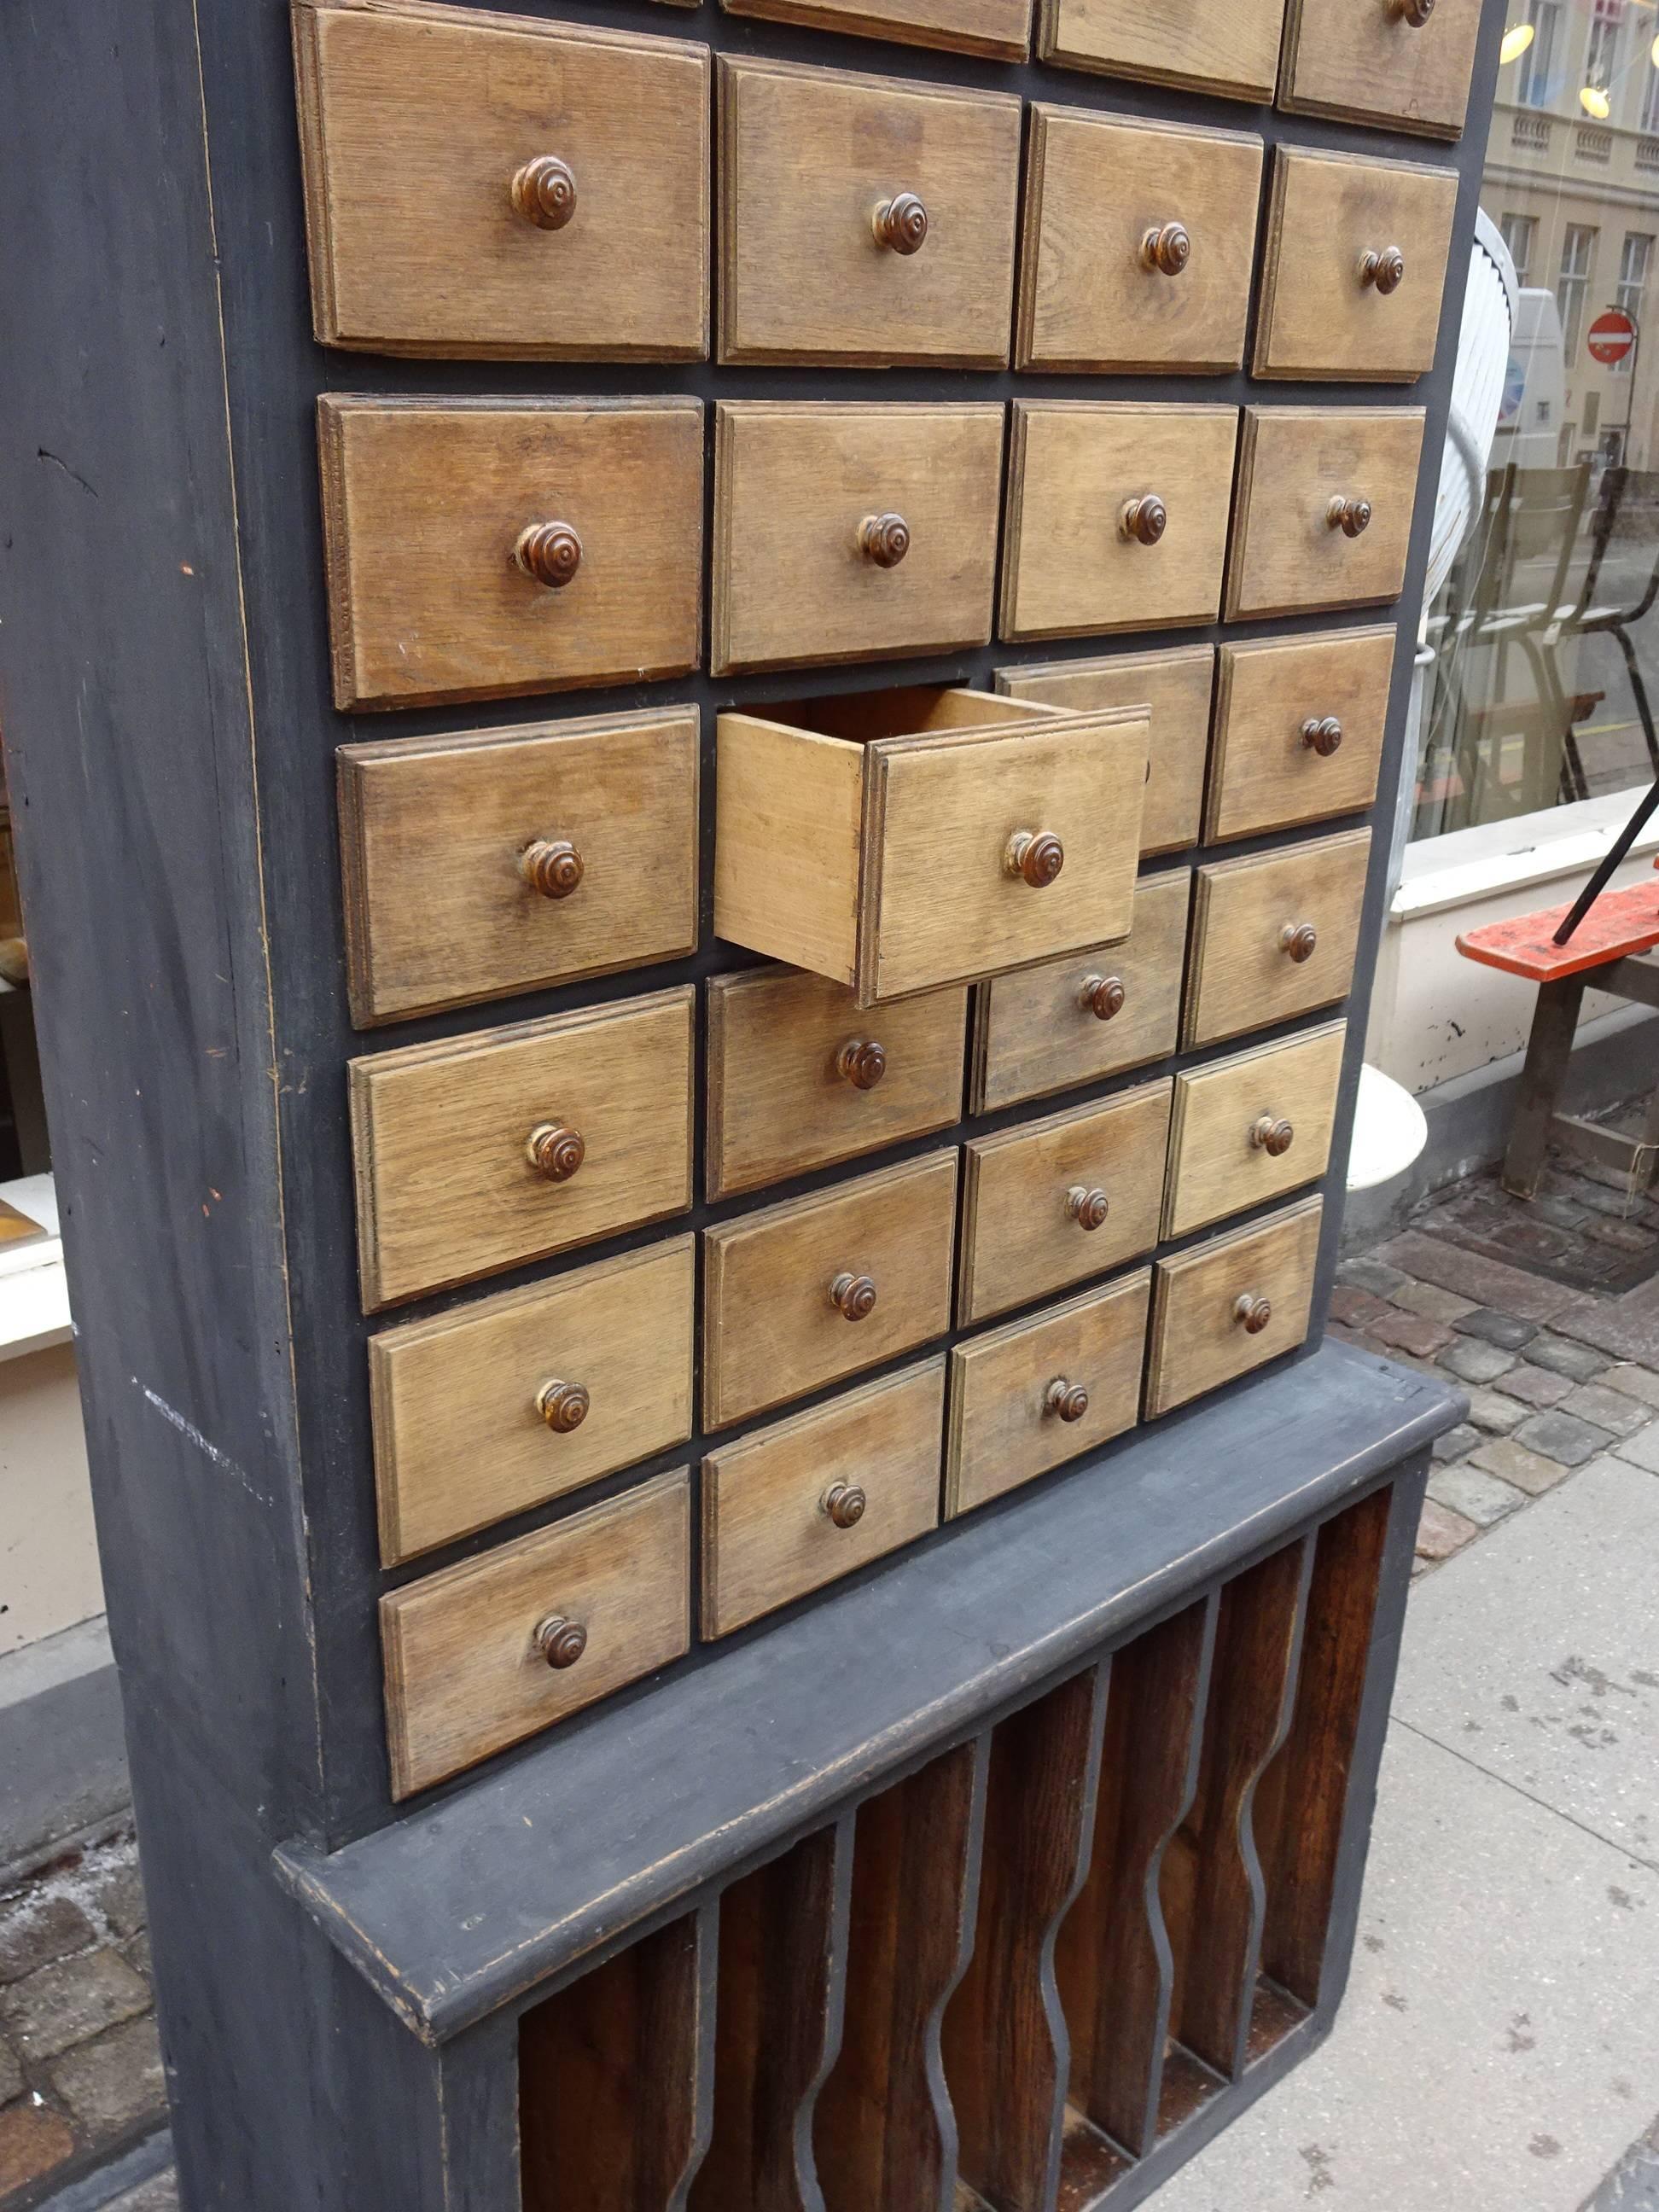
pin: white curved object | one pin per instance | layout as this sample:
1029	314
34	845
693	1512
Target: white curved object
1489	302
1389	1131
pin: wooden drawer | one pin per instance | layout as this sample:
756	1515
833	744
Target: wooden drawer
1054	1027
864	220
797	1078
1203	1302
1175	686
501	1405
443	1136
997	27
1299	723
1249	1128
848	533
478	865
1213	46
1355	266
1274	935
1027	1395
1376	65
1082	473
1138	244
891	841
494	185
466	1673
1033	1219
432	507
801	1294
809	1499
1309	475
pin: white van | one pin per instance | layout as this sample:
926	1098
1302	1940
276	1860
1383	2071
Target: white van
1534	386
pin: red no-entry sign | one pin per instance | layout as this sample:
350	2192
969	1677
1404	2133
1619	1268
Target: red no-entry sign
1612	336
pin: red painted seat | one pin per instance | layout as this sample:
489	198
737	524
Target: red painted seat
1619	924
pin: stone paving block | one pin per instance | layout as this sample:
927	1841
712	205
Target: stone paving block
1642	1450
1410	1331
1634	2185
1619	1327
70	2003
1366	1272
1478	1496
1358	1339
114	2083
1623	1235
1492	1411
1632	1383
1432	1301
1455	1444
1608	1408
1563	1357
1358	1309
36	1928
1563	1436
119	1895
136	1954
1537	1386
1472	1360
1488	1282
1508	1331
33	2140
11	2075
1513	1462
1442	1532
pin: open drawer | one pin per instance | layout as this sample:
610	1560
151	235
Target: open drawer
896	841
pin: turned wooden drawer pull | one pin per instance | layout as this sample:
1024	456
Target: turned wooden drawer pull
1088	1208
544	192
853	1296
1350	516
845	1504
1167	249
1385	269
1272	1136
862	1062
1414	12
1070	1401
1323	735
1253	1311
561	1641
884	539
550	553
562	1405
1103	996
900	223
1035	856
1298	940
556	1151
552	866
1145	520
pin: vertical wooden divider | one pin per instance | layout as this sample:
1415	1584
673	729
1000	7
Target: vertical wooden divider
1004	2041
885	2135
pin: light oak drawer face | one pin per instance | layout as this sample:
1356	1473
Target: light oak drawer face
981	834
1208	1319
1002	29
467	1669
493	186
864	220
478	549
1355	266
797	1078
1176	686
845	532
476	866
1117	516
1325	502
487	1151
811	1499
505	1403
1204	44
1072	1021
1274	935
1034	1393
1140	240
1056	1201
1248	1129
1375	64
801	1294
1300	724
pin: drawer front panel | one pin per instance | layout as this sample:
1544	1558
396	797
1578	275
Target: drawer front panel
1176	686
1248	1129
446	1187
429	504
1032	1190
1355	267
818	170
1204	44
1050	1027
476	866
1098	191
798	1077
1015	1407
1306	476
1203	1302
1078	470
418	124
465	1673
1377	65
785	1306
774	1505
794	486
1278	758
1251	966
501	1404
1002	29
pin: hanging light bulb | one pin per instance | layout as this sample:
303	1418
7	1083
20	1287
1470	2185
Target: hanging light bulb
1520	36
1595	102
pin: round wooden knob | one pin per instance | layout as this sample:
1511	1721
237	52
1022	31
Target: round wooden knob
1384	268
1069	1399
1253	1311
544	192
853	1296
862	1062
1414	12
1167	249
1035	856
1088	1208
556	1151
884	539
561	1641
1104	996
845	1504
1323	735
1298	940
1145	520
552	866
1350	516
550	553
562	1405
901	223
1272	1136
